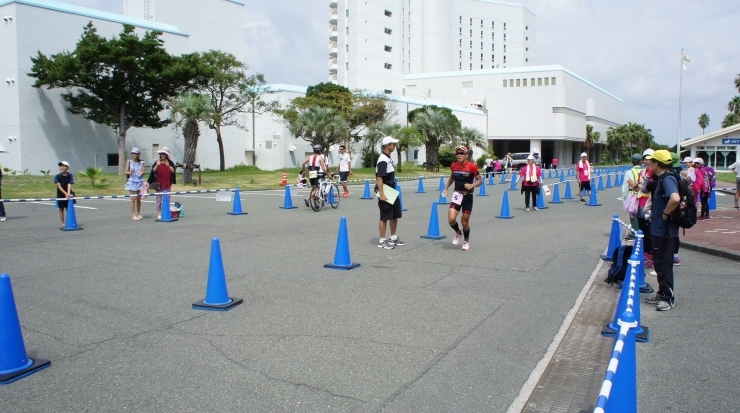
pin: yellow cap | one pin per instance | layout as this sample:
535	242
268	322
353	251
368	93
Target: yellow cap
661	156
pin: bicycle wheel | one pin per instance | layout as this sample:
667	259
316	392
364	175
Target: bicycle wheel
315	202
334	190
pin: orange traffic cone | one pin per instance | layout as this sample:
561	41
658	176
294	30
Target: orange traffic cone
285	178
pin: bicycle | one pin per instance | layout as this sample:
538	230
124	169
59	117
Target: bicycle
328	192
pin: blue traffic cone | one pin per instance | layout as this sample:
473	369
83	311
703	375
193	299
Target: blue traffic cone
400	197
567	195
608	181
14	362
562	176
556	195
512	187
491	181
713	200
441	183
482	191
217	294
610	329
624	380
70	222
237	208
615	239
593	184
593	201
433	228
503	178
420	189
288	203
367	195
505	208
342	259
549	173
166	213
541	200
442	199
330	196
601	183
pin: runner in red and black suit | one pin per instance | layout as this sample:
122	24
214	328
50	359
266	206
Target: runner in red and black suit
466	177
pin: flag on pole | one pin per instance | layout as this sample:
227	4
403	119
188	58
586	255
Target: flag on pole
684	60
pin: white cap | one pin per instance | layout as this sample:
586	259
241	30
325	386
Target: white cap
583	154
65	163
530	157
136	150
388	140
648	152
688	159
699	160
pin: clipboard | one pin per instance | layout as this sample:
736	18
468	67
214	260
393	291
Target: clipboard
390	194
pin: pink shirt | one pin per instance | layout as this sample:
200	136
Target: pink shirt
582	175
533	170
555	161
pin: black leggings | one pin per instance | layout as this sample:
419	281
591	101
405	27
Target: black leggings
534	190
704	204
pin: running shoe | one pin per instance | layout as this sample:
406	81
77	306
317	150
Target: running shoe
457	239
536	209
664	306
396	241
466	246
653	273
654	299
305	201
527	209
2	219
676	261
583	200
385	245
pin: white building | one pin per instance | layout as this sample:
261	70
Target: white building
373	44
719	149
35	128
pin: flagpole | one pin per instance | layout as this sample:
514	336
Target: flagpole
680	84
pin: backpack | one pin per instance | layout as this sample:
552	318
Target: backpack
618	269
709	177
685	214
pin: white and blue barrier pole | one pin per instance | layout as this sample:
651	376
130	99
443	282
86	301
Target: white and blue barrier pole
619	390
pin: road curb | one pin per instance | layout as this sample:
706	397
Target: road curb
719	252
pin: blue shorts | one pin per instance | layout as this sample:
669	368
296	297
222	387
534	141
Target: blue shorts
343	176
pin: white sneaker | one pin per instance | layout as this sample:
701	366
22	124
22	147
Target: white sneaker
2	219
457	239
466	245
653	273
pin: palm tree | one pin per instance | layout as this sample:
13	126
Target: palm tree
734	105
471	136
730	119
615	139
737	82
437	128
319	126
93	174
376	133
703	122
591	137
408	136
187	111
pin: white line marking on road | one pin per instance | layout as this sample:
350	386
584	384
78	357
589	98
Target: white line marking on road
54	204
526	392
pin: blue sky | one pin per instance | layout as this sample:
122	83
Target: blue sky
630	48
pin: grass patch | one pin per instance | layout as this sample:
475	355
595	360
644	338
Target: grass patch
728	177
245	177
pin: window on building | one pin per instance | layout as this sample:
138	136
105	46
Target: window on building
471	55
481	57
460	66
481	45
388	13
493	47
346	30
388	48
511	82
387	91
471	32
481	34
493	25
504	82
526	49
346	13
481	23
504	48
471	21
460	54
460	42
388	31
504	36
552	80
461	31
471	66
112	159
526	27
518	83
526	38
504	26
346	48
526	60
524	82
346	66
504	58
531	82
481	66
471	44
539	81
493	36
388	66
547	81
460	19
493	58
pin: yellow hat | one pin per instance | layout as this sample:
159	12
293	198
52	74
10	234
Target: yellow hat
661	156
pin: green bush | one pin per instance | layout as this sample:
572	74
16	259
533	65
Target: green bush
445	157
481	160
369	157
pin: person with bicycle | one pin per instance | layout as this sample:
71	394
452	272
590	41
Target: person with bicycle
317	170
385	175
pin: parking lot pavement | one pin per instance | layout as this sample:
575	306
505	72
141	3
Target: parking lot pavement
423	327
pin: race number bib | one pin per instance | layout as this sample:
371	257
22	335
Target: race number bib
457	198
313	174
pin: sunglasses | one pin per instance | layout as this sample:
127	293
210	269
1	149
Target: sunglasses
462	153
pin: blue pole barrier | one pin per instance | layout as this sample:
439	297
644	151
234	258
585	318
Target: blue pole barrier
619	389
615	239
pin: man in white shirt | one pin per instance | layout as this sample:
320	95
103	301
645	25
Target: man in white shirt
344	168
736	168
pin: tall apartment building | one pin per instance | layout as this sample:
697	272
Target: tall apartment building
374	44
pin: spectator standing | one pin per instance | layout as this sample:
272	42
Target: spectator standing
64	181
2	205
663	230
532	179
631	188
301	180
163	173
489	166
389	213
736	169
496	166
583	169
554	162
703	187
344	168
508	163
135	172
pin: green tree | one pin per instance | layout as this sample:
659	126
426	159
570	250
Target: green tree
121	82
408	136
471	137
703	122
730	119
734	105
93	174
591	137
616	139
376	133
187	111
438	126
319	126
737	82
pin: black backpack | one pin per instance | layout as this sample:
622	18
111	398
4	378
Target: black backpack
618	269
685	215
